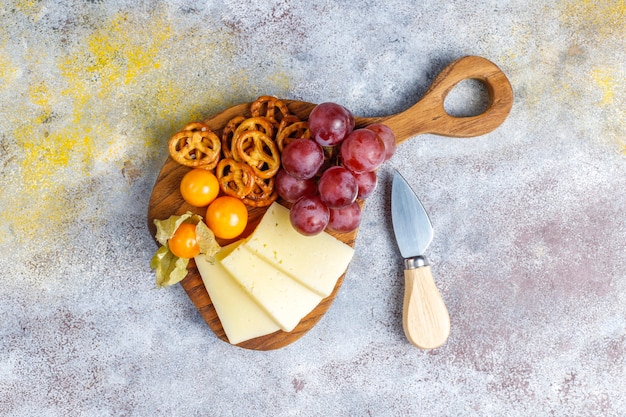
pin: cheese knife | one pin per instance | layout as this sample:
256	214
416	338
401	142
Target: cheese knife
425	318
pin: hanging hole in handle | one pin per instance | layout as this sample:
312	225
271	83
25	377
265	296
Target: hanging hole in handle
467	98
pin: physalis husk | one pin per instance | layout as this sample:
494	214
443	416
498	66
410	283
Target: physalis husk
169	268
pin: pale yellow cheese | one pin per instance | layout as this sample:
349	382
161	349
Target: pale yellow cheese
284	299
315	261
241	317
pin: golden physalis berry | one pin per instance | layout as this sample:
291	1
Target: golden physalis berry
227	217
199	187
183	243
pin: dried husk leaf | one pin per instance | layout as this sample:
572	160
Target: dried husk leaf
169	268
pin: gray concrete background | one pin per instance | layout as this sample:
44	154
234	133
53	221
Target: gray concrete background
530	220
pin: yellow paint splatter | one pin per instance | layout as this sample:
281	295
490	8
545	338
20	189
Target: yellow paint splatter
8	71
30	8
123	89
39	95
120	52
116	54
55	155
597	18
595	28
604	79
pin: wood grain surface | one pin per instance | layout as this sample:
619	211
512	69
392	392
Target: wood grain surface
426	116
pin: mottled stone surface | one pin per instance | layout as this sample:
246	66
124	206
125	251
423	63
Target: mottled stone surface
530	220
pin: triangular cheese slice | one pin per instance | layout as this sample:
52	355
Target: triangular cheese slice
284	299
315	261
241	317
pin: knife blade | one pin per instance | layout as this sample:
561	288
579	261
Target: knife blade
425	318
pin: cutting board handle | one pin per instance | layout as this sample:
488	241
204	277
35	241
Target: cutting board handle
429	115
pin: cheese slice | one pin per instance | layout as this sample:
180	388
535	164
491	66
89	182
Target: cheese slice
284	299
315	261
241	317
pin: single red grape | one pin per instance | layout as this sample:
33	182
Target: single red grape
362	151
309	216
302	158
330	123
385	133
345	219
337	187
291	188
367	182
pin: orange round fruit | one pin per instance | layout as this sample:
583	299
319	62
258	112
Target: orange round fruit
227	217
183	243
199	187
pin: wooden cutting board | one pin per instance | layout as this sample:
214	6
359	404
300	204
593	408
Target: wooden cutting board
426	116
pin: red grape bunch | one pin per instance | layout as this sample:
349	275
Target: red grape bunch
326	176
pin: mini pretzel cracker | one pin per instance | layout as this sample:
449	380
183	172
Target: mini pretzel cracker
263	194
235	178
287	132
260	123
270	107
195	146
287	120
259	151
228	133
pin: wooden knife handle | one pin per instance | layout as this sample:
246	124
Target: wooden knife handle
425	317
